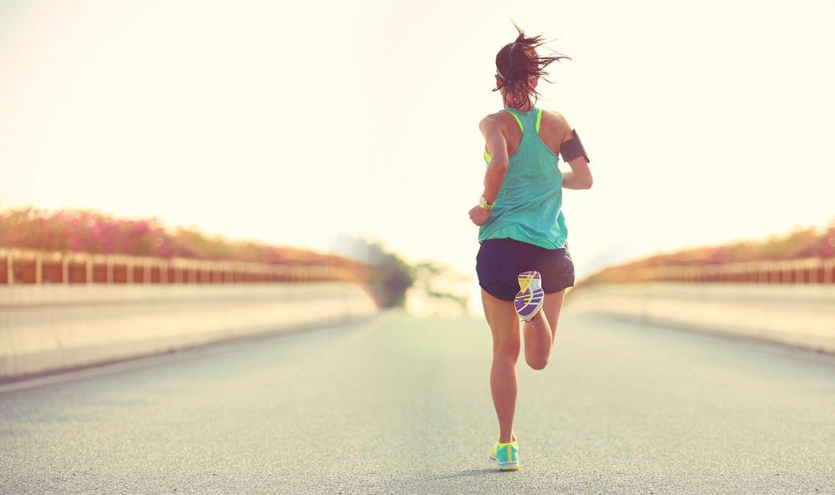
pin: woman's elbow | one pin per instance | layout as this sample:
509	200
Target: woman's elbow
587	182
498	164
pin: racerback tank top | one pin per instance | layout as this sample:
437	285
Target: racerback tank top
529	205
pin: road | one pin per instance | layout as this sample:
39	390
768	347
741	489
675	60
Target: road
401	405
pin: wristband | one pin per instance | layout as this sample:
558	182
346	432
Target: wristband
482	202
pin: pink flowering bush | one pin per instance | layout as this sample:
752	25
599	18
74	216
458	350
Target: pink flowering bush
800	243
95	232
384	275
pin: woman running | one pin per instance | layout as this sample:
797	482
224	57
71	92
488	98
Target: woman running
523	263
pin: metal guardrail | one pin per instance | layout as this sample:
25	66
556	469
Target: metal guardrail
799	271
22	266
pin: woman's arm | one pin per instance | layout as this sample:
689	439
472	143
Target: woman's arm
497	148
579	177
496	170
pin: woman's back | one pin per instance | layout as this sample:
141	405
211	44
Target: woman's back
528	207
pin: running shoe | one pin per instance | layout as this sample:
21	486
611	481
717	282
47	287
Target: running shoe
506	455
496	446
530	296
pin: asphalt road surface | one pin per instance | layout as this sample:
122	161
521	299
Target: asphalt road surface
402	405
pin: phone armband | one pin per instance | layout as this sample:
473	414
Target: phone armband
573	148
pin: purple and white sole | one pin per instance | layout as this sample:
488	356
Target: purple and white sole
529	299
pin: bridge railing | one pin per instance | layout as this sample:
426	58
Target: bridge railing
798	271
22	266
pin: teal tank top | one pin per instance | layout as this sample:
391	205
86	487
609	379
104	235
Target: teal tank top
529	205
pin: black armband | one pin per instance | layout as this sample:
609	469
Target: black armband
573	148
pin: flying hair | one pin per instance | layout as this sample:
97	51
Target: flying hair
518	63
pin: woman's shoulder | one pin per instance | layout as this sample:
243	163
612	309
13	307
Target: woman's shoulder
554	117
555	123
494	117
494	120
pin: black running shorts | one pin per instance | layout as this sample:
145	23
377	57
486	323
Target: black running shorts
500	261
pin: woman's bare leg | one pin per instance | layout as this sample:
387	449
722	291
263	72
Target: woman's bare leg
504	324
541	331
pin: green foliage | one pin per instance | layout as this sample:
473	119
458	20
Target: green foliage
389	276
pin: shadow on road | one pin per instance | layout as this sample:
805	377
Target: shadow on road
473	472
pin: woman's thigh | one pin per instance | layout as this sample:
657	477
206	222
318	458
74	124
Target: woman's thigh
552	305
503	321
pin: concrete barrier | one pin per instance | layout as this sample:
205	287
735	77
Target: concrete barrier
797	315
49	328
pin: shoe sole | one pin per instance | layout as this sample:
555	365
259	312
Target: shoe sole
529	299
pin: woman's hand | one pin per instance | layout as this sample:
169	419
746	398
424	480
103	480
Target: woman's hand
479	215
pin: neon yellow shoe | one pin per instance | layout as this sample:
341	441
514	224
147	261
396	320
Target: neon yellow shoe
506	455
496	446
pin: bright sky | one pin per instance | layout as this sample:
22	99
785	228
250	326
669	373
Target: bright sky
705	121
